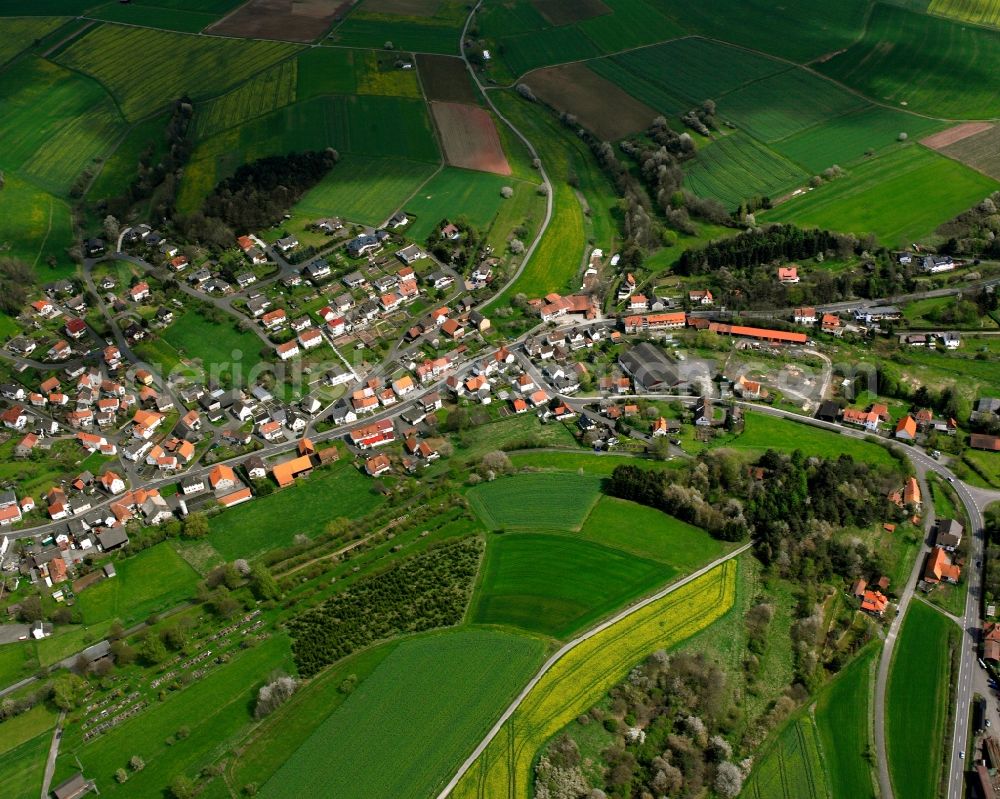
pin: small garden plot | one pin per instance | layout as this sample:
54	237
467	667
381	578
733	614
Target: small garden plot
446	689
556	584
536	501
469	137
155	580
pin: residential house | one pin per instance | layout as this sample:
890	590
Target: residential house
788	274
701	297
940	568
906	428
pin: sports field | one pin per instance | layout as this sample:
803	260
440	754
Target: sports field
454	193
580	678
422	710
304	508
365	190
152	581
791	768
900	197
843	717
557	585
735	167
551	501
916	696
949	79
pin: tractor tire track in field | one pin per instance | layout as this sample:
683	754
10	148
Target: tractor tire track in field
503	721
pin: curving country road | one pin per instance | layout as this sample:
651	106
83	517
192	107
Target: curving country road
534	154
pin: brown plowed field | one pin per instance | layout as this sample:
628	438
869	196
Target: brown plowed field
566	12
285	20
981	151
406	8
600	106
446	78
939	141
470	138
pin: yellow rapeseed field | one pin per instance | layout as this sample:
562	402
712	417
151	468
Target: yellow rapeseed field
582	677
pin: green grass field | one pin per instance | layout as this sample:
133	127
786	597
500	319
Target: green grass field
550	501
121	167
980	12
34	225
900	197
948	80
214	708
648	533
54	123
365	190
736	167
455	193
422	709
786	103
582	677
24	767
591	462
193	336
687	71
845	140
800	30
17	661
306	507
558	258
145	69
763	432
631	23
919	679
843	716
327	70
791	768
556	585
270	90
361	125
174	15
17	33
407	34
152	581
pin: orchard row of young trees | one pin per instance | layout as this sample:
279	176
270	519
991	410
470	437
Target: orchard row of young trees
423	592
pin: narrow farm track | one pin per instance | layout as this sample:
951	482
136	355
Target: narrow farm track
534	154
566	649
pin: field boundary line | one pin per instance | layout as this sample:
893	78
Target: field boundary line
569	646
66	39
